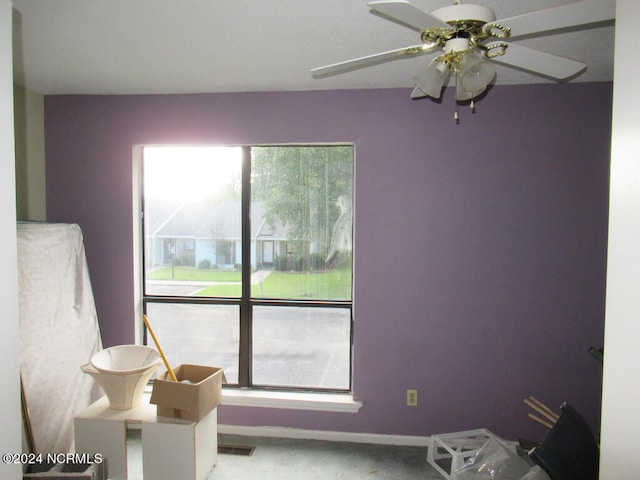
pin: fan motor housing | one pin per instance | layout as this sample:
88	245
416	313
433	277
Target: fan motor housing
467	12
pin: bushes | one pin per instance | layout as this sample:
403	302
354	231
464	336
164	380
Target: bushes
187	260
286	263
204	264
317	261
280	263
299	263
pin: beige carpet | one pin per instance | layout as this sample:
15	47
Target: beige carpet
282	459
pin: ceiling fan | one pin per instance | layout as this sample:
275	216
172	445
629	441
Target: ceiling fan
470	40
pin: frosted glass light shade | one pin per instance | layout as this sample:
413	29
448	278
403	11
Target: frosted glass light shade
474	73
431	81
462	94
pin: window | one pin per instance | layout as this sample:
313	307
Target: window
248	261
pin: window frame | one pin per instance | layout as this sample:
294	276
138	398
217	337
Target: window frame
245	302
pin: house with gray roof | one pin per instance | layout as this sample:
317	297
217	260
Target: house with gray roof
191	233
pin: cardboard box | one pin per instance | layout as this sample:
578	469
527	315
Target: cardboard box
188	401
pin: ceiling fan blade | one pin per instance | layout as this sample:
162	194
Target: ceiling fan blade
541	63
375	59
408	14
575	14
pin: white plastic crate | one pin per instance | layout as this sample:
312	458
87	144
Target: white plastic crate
449	451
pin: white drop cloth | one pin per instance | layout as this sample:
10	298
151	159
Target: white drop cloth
59	331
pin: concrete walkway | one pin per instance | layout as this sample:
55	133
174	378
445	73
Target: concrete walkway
185	287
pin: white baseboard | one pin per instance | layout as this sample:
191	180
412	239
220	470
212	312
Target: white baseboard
283	432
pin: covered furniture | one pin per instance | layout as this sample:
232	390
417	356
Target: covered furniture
58	331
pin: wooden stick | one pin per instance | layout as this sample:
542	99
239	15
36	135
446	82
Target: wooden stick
26	418
540	410
164	358
540	420
544	407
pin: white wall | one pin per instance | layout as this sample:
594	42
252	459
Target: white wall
11	437
621	388
30	167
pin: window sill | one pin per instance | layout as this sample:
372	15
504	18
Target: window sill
325	402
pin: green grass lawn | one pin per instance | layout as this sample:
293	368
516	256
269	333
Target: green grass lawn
331	285
186	274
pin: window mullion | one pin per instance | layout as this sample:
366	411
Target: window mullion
245	360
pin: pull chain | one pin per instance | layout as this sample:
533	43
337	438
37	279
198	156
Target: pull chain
456	115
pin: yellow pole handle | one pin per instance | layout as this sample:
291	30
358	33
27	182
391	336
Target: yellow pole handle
164	358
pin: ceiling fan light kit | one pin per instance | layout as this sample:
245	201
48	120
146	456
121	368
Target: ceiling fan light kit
471	40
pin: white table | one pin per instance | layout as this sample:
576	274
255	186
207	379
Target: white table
171	448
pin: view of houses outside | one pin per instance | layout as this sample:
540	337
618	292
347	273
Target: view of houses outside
301	251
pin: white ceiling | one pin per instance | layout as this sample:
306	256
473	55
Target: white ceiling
195	46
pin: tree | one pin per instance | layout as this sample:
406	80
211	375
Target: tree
301	187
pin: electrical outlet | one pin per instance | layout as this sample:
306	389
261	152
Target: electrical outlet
412	398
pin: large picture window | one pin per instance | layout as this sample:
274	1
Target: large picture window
248	261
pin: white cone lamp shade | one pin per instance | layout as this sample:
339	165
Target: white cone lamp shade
473	77
431	81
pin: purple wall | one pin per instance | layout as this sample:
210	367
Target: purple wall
480	247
